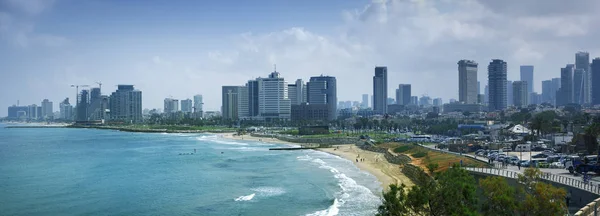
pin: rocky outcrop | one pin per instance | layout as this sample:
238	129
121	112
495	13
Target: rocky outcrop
395	159
415	173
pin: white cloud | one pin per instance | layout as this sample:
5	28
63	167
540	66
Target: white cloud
17	23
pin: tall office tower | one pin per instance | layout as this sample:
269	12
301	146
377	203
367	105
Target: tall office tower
243	102
186	105
467	81
252	98
527	76
425	101
323	90
171	105
547	92
497	70
437	102
520	96
564	95
555	87
403	94
535	98
229	102
578	86
47	112
66	110
198	108
273	101
380	90
582	61
296	92
365	101
486	98
126	104
509	93
595	82
82	106
414	100
478	87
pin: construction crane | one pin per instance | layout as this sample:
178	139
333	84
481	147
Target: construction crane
99	85
77	92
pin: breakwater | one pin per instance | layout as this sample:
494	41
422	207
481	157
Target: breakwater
328	141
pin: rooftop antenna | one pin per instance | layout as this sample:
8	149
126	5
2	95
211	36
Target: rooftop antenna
17	102
274	67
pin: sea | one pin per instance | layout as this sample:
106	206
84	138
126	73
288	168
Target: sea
63	171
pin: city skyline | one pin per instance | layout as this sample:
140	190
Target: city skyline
248	43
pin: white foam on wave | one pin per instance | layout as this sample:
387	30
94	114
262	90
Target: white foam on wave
245	198
219	141
246	149
331	211
357	196
269	191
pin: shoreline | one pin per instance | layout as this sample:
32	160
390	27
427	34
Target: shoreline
374	163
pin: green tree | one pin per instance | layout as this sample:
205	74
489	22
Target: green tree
455	192
500	198
540	198
432	167
394	202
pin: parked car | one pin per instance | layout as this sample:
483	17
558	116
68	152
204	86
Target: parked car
524	163
540	155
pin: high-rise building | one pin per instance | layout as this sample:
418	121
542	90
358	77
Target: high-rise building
555	87
273	101
527	76
425	101
83	105
497	71
535	98
47	112
478	87
198	104
509	93
323	90
414	100
437	102
186	105
171	105
296	92
34	112
565	93
365	101
486	93
380	90
66	110
595	82
520	96
252	98
403	94
126	104
467	81
547	92
582	61
243	102
98	105
578	86
229	102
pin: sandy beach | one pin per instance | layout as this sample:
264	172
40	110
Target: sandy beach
374	163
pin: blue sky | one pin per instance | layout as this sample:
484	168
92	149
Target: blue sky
181	48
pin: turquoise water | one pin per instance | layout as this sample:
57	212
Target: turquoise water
100	172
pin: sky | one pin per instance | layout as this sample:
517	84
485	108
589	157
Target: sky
181	48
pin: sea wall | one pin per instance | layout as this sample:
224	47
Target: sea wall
327	141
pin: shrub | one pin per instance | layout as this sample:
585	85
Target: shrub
419	154
402	149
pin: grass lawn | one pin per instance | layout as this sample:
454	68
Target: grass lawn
423	156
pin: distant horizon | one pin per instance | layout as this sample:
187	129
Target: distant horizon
185	48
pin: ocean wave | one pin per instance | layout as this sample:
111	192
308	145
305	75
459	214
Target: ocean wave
269	191
331	211
247	149
219	141
353	199
245	198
